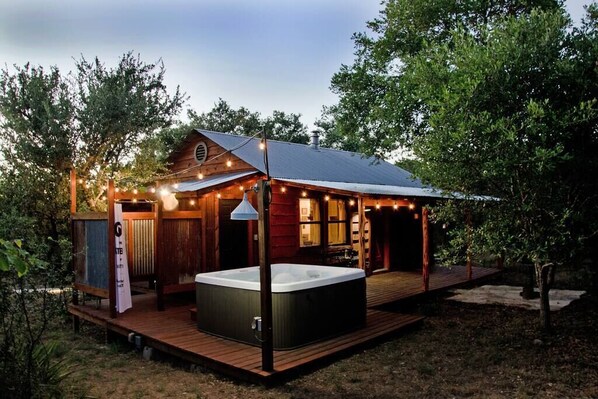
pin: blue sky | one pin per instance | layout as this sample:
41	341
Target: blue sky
261	54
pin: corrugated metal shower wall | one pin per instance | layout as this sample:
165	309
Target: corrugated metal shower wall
143	247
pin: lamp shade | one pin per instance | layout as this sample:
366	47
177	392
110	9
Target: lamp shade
244	211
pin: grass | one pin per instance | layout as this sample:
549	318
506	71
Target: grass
461	350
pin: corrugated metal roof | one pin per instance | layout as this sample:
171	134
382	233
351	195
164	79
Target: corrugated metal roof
210	181
299	161
370	189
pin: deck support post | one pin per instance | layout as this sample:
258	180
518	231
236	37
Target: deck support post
158	256
361	218
469	227
111	251
386	251
75	293
265	274
426	250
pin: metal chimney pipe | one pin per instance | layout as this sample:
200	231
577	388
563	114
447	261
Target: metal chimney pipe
315	140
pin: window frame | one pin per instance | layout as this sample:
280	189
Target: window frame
337	222
318	222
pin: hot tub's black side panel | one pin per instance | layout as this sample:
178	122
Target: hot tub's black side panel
298	317
227	312
305	316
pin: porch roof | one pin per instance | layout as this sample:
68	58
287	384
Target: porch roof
211	181
370	189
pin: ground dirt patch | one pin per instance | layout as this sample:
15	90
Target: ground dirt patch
461	350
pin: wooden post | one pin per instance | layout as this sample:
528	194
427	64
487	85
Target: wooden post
386	251
265	274
469	227
361	219
75	293
158	256
111	252
73	191
426	250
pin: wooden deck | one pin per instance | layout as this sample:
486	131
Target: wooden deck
172	331
386	288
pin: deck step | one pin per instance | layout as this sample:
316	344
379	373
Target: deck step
193	314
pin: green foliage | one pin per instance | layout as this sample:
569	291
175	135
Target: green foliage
28	368
223	118
376	108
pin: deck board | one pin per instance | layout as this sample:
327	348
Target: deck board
174	332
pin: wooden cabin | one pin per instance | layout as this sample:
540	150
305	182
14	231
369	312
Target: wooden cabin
328	207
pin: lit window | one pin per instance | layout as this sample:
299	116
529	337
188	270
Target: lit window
337	222
309	222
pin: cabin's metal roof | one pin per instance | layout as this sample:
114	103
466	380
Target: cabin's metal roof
299	161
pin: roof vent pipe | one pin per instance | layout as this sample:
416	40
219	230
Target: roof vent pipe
315	140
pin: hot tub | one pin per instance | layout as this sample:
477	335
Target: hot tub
309	303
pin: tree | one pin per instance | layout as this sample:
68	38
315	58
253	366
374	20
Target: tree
223	118
94	119
332	135
376	109
503	105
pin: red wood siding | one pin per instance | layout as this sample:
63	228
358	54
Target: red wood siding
284	224
185	159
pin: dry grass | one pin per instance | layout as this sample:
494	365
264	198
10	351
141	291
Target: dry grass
460	351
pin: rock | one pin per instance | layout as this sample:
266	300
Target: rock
538	342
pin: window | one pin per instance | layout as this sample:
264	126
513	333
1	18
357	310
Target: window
309	222
337	222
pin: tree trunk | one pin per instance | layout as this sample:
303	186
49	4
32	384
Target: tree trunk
544	278
528	287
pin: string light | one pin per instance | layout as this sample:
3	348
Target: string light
229	163
395	206
283	189
411	206
134	200
218	195
377	205
304	193
326	197
152	190
351	202
135	191
80	181
241	188
117	190
192	202
104	198
200	176
262	145
175	185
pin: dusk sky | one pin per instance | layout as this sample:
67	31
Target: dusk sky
261	54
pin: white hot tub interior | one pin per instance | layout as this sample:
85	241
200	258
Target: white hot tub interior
285	276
